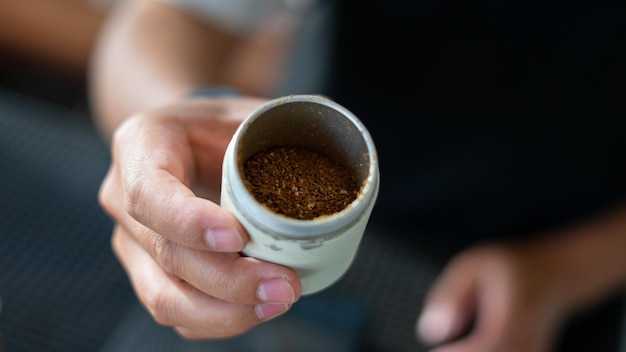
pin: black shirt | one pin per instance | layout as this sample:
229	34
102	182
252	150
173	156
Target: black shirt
490	118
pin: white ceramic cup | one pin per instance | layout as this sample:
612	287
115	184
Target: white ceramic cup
320	250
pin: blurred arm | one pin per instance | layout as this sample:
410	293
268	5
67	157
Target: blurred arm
151	54
58	33
594	256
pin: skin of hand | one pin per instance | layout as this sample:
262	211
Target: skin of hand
513	297
180	250
506	290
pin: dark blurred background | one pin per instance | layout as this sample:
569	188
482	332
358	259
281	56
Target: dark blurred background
60	285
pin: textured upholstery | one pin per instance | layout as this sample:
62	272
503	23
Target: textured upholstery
62	288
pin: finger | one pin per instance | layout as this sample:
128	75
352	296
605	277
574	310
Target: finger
153	161
480	338
235	278
227	276
497	326
451	304
173	302
190	334
484	337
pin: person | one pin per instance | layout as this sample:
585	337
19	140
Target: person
500	134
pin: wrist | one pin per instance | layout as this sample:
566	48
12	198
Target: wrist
588	260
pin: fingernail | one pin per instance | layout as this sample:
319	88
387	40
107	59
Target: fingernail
435	324
275	290
270	310
223	239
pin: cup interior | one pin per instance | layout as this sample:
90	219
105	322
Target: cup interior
312	125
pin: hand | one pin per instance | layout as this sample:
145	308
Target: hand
495	298
179	248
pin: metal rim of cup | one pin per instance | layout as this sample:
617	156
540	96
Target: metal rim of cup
283	226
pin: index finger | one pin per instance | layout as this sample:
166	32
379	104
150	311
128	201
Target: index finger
156	164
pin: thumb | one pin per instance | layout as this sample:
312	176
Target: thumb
450	306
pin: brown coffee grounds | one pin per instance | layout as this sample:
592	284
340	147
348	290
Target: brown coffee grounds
299	183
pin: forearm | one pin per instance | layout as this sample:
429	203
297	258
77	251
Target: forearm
149	55
590	259
58	33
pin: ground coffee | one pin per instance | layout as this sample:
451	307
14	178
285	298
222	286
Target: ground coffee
299	183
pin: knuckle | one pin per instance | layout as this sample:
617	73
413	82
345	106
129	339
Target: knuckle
227	286
118	135
230	289
159	308
125	132
162	252
116	242
106	194
134	195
